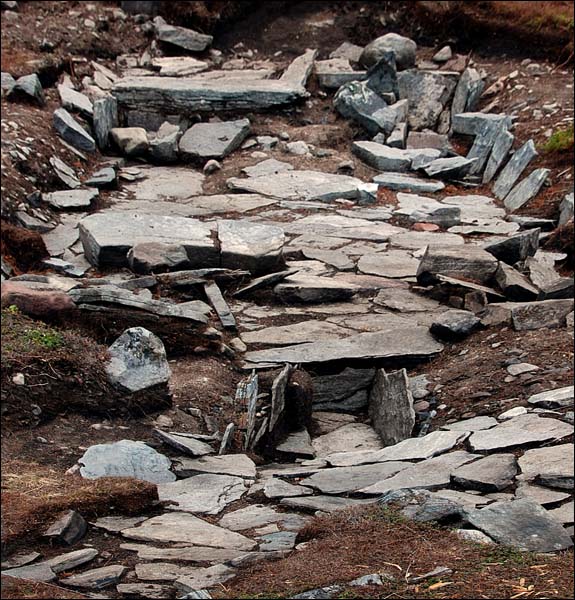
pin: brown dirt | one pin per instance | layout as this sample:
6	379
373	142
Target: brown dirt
22	248
15	589
355	543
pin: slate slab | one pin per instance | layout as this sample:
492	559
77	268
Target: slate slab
207	141
491	474
514	168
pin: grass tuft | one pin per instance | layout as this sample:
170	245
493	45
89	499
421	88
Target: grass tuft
562	140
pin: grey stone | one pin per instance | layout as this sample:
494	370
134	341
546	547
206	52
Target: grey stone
70	199
482	146
164	147
552	467
428	94
541	495
473	535
104	178
105	119
523	192
327	504
72	132
403	48
65	173
301	185
564	514
132	141
354	437
298	333
267	167
342	385
467	93
391	406
470	123
202	494
325	593
188	39
398	137
517	248
537	315
185	444
514	285
414	343
346	480
566	209
430	474
491	474
558	398
144	590
523	524
75	101
395	264
405	301
501	148
428	139
20	560
422	506
187	529
179	66
348	51
419	240
7	82
334	73
406	183
297	443
126	459
475	424
68	529
468	263
262	282
278	542
97	579
214	140
138	361
513	170
443	55
29	88
220	91
450	168
117	524
519	431
41	573
275	489
455	324
310	289
390	159
154	257
108	236
257	248
237	465
257	516
71	560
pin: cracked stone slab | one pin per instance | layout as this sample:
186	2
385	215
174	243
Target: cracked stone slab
236	465
523	524
202	579
167	183
192	554
519	431
300	185
395	264
416	240
408	183
214	140
202	494
353	437
187	529
258	515
475	424
431	474
298	333
414	343
71	199
403	300
542	495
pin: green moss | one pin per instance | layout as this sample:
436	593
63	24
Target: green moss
48	339
561	141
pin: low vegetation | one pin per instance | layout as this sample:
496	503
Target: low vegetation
562	140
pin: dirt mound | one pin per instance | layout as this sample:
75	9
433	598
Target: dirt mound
21	247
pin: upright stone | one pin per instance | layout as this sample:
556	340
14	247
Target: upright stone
72	132
467	93
513	170
391	407
517	248
526	190
500	151
105	119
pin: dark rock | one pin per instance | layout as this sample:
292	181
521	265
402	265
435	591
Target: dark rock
459	262
517	248
69	529
422	506
514	285
188	39
155	257
105	119
72	132
491	474
28	87
455	324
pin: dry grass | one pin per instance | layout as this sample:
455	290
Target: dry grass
15	589
354	543
33	496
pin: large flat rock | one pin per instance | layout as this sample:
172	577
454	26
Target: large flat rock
523	524
257	516
166	183
236	465
173	528
410	343
551	466
491	474
108	236
300	185
214	140
203	494
188	95
298	333
354	437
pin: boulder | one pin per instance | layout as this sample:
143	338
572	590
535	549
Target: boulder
403	48
205	141
138	361
132	141
28	88
72	132
460	262
455	325
357	101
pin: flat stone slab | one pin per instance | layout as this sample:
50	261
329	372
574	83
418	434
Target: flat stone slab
126	459
326	504
97	579
219	91
71	199
522	524
202	579
395	264
185	444
526	190
167	183
392	160
353	437
551	466
107	237
257	248
406	183
513	169
144	590
117	524
297	443
416	240
298	333
564	514
431	474
275	489
346	480
203	494
300	185
267	168
491	474
187	529
475	424
404	300
257	516
236	465
192	554
541	495
554	398
519	431
414	343
214	140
